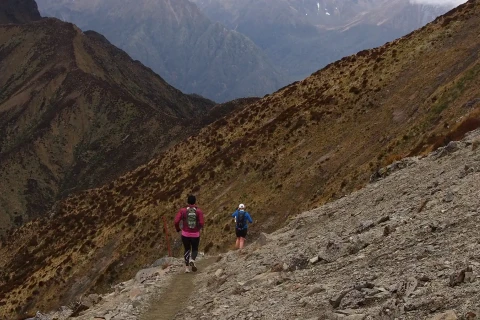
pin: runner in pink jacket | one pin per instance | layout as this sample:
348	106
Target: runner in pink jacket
191	217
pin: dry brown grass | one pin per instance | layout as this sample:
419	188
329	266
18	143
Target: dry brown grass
315	138
89	114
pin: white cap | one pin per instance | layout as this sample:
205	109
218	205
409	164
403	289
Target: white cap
241	206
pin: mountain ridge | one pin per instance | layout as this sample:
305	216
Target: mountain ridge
71	110
193	53
303	36
312	142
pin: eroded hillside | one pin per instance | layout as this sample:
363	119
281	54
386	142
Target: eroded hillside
311	142
76	112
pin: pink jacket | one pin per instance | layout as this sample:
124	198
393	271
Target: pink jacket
186	231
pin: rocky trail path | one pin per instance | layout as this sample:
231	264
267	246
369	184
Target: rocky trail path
176	296
158	292
405	247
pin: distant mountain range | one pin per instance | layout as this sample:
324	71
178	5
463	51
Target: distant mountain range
179	42
303	36
244	47
403	15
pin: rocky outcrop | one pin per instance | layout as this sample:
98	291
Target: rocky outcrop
18	11
193	53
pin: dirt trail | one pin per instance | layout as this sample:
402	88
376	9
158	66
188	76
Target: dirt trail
175	297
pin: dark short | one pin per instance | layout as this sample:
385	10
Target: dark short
241	233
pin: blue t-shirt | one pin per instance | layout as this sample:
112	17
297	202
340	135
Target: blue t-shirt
248	219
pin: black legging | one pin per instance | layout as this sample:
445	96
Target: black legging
193	243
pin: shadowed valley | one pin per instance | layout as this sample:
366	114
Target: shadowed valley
175	39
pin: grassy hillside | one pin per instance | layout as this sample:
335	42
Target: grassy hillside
76	112
304	145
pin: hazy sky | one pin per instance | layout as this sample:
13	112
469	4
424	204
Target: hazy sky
446	2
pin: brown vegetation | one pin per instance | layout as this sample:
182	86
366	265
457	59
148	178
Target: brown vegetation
76	112
298	149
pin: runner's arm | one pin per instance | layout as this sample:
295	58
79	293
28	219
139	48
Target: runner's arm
200	218
177	220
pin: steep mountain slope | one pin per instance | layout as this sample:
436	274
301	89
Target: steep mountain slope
179	42
76	112
303	36
401	248
18	11
311	142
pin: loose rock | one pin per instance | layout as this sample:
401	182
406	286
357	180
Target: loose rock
448	315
